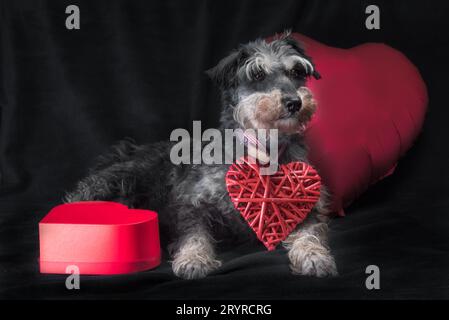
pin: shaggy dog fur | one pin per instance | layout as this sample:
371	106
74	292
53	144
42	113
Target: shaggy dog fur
262	86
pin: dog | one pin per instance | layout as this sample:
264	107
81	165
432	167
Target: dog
263	86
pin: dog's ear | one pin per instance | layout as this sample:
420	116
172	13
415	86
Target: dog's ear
224	74
298	47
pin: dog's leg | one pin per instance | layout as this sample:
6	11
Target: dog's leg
112	183
308	249
194	254
133	175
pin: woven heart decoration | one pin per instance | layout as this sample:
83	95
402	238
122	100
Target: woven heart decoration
273	205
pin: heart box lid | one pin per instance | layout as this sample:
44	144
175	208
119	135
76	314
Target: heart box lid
98	237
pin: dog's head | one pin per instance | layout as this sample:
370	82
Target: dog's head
263	84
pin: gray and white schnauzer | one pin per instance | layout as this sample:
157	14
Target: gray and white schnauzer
263	87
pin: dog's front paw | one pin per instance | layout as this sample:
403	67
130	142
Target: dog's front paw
196	266
312	259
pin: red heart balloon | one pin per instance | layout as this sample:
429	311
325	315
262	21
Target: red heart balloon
273	205
371	106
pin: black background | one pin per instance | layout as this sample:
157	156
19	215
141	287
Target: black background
136	69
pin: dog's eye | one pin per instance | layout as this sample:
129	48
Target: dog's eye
259	75
298	74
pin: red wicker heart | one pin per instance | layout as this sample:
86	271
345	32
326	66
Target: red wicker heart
273	204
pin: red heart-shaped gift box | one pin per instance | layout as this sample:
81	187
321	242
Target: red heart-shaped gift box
99	238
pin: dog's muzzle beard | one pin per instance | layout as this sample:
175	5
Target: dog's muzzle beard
273	110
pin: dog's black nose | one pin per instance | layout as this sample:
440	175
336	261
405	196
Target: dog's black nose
293	105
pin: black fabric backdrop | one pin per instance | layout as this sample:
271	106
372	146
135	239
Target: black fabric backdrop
135	69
